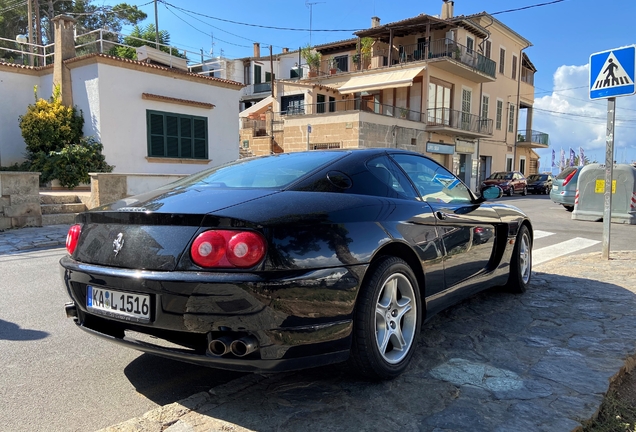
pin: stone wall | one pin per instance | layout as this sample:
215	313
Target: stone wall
111	187
19	199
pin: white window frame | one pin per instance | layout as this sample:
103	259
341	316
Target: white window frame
510	162
514	69
511	118
525	166
502	64
499	114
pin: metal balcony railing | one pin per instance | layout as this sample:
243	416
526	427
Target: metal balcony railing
434	117
459	120
262	87
534	137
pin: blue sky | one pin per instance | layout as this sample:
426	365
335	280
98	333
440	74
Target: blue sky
563	36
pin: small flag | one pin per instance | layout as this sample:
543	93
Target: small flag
553	158
562	161
572	156
581	157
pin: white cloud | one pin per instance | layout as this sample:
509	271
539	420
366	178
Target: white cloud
585	124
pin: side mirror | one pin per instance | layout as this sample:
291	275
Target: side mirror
492	192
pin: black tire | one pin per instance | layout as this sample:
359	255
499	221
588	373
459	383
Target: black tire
510	191
374	354
524	192
569	208
520	262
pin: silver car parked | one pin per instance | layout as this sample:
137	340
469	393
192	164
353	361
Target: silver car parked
564	187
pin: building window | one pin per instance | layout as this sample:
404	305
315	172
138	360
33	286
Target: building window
488	48
246	75
320	105
257	74
502	60
522	165
439	102
470	45
177	135
296	72
342	63
499	114
332	104
514	67
268	77
485	101
511	119
292	104
508	162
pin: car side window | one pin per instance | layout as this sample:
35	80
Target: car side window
385	170
434	182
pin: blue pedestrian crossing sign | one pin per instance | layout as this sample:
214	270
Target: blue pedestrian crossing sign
612	73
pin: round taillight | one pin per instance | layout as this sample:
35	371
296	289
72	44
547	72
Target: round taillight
245	249
72	237
208	249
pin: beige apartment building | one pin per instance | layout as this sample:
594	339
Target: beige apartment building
448	87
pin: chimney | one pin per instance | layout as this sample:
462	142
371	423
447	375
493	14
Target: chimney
447	9
64	50
257	49
375	22
285	50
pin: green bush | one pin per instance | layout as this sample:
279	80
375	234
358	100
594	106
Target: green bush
49	126
72	163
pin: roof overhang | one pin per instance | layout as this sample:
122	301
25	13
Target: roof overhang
383	80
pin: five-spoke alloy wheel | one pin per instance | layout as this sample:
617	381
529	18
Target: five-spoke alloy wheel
387	320
521	262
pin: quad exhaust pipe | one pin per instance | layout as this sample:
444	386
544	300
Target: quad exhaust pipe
239	347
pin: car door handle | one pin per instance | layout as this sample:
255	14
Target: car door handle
441	215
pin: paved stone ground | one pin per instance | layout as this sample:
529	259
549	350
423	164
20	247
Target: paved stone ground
25	239
540	361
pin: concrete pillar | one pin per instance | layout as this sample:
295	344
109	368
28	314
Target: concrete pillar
64	50
529	124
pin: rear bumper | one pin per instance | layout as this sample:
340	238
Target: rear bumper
300	321
563	197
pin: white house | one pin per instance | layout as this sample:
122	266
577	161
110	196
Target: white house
150	118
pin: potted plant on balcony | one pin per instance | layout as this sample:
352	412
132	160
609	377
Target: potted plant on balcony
312	58
365	47
333	66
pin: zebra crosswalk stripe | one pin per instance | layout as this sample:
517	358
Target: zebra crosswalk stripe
548	253
540	234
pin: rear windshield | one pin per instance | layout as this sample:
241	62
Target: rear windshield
539	177
269	172
501	176
566	172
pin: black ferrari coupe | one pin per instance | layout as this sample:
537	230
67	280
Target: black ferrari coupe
292	261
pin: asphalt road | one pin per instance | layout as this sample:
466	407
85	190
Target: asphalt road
57	378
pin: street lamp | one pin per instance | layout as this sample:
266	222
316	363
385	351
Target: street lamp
21	39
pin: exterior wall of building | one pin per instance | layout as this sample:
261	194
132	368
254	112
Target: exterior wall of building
16	87
123	131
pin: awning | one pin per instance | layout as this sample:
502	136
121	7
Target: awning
383	80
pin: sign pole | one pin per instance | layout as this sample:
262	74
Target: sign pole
609	170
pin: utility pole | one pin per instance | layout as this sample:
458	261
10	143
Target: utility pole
271	68
156	27
30	19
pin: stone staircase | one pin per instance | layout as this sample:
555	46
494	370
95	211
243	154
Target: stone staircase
61	207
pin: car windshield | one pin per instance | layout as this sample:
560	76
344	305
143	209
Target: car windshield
261	173
566	172
538	177
501	176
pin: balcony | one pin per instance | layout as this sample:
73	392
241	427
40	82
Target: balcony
447	55
262	87
436	120
533	139
458	122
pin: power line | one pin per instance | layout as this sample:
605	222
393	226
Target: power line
261	26
527	7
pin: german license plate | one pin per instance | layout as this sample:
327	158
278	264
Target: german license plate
117	304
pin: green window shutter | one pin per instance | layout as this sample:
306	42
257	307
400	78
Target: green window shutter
186	137
176	135
156	135
200	138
